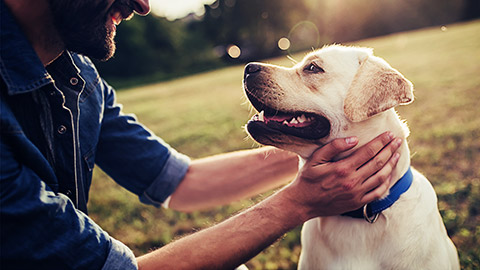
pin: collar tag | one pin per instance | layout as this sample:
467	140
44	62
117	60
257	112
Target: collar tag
367	218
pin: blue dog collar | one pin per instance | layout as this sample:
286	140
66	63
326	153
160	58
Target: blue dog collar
371	211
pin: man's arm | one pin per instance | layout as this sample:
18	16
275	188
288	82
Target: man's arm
225	178
322	188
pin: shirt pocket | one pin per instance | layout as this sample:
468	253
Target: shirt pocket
88	166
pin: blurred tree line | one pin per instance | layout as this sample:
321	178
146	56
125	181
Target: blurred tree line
153	48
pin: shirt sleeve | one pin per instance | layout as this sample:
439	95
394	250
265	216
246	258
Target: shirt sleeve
120	257
43	230
136	158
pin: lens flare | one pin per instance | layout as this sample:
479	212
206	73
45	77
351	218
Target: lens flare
304	35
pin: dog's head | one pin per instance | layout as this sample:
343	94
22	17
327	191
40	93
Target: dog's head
321	98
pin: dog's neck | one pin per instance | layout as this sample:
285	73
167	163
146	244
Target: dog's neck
366	131
386	121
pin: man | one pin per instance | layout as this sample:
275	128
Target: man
59	118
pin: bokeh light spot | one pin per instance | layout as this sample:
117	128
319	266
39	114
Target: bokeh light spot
284	43
234	51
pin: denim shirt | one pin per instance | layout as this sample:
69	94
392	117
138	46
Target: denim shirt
56	124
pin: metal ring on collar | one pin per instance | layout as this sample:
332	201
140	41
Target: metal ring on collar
367	218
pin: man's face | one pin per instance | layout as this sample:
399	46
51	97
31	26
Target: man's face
88	26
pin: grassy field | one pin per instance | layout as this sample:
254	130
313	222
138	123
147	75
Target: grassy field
204	114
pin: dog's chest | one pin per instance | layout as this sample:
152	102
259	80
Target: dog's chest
402	237
347	243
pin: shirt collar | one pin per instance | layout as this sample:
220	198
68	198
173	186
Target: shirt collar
20	68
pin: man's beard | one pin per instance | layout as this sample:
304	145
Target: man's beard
82	25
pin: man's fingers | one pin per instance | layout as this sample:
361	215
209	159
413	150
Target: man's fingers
376	193
332	149
379	161
377	184
369	150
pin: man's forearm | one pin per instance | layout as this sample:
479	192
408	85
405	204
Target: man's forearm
321	188
232	242
228	177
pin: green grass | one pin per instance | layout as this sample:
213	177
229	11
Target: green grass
204	114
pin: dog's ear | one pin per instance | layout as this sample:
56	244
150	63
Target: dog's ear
375	88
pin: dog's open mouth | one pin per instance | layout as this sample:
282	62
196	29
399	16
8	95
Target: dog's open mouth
304	125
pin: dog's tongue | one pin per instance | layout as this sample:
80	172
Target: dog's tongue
286	119
278	118
301	125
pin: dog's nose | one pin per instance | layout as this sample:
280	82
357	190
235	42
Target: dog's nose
252	68
141	7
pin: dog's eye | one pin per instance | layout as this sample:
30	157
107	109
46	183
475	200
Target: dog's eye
313	68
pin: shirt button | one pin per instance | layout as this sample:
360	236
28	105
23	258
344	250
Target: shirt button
62	129
73	81
68	192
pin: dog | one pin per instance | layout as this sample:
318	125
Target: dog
340	91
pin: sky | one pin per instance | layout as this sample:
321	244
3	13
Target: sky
173	9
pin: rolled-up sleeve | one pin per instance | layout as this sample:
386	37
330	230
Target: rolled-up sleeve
43	230
120	257
135	157
165	184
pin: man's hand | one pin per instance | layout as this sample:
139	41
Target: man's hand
325	188
321	188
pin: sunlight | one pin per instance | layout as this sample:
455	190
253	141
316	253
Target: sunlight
178	9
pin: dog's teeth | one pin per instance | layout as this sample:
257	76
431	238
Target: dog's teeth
285	122
260	116
294	121
302	119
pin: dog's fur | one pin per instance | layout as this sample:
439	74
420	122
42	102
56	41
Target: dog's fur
356	92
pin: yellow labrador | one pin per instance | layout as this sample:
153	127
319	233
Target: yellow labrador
338	92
